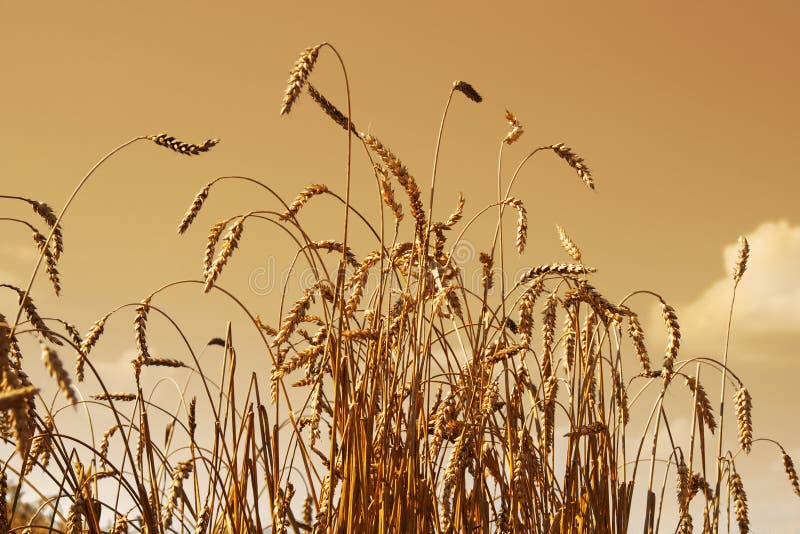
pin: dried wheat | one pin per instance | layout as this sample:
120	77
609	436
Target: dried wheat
574	161
182	148
194	209
57	371
741	260
744	407
467	90
230	243
516	128
569	246
740	502
298	77
301	199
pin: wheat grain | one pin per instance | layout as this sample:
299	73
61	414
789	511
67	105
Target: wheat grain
569	246
516	128
788	466
202	521
550	393
388	192
163	362
301	199
454	217
686	526
740	502
744	407
704	411
673	338
14	397
487	264
522	223
181	147
121	397
194	209
526	303
179	474
335	246
32	313
330	110
636	333
88	344
587	430
230	243
50	218
358	282
405	179
213	237
57	371
120	524
467	90
294	317
298	77
574	161
361	333
621	395
105	442
741	260
50	261
548	333
555	268
140	329
570	338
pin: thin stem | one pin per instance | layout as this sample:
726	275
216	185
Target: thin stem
722	396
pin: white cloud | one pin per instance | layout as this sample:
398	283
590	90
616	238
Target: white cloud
768	297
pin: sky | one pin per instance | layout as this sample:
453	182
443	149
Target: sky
685	111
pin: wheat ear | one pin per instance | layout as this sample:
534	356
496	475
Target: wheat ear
298	77
181	147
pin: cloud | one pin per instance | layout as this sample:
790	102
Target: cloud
18	252
767	300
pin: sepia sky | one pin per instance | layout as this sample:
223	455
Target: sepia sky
687	113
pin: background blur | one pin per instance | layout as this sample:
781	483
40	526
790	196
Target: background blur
687	114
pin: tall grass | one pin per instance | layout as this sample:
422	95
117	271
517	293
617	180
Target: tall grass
400	397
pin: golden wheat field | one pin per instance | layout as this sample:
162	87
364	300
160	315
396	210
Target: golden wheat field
392	346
